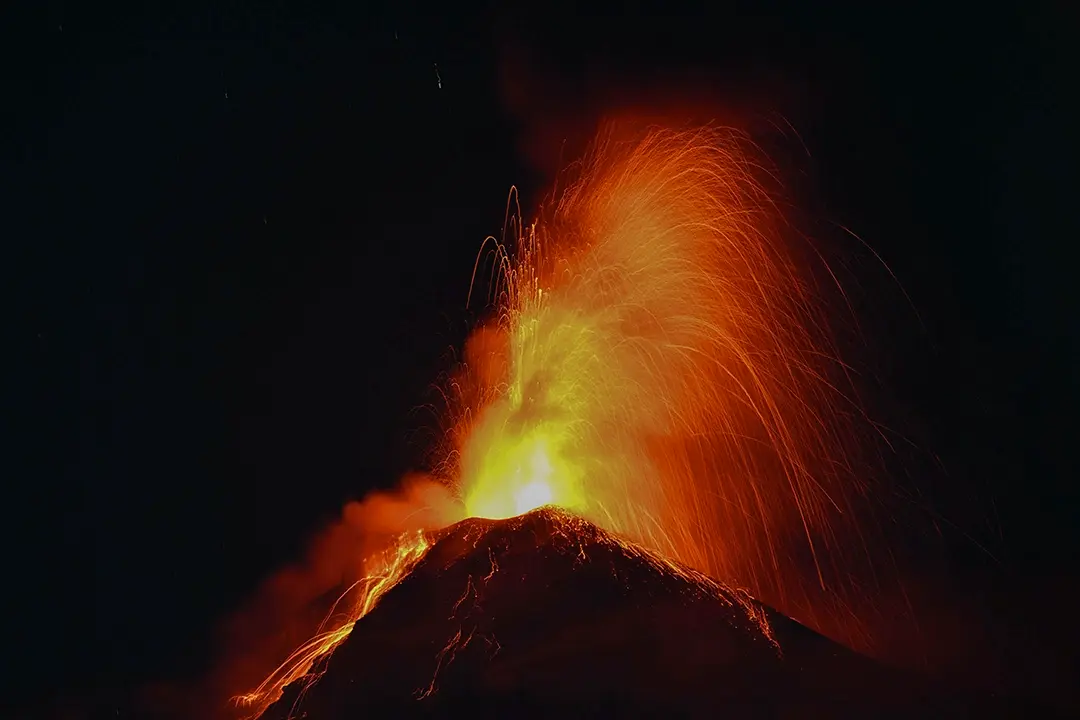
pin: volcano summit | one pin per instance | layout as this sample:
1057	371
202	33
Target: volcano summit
546	615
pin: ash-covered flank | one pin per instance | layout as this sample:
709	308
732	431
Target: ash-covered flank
547	615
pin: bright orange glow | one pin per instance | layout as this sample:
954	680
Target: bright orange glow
660	365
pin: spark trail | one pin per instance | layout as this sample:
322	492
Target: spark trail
660	365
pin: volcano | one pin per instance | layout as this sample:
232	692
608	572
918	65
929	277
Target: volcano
545	615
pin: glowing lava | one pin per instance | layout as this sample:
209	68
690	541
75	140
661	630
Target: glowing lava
659	366
519	478
385	572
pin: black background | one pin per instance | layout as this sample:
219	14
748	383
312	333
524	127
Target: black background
239	238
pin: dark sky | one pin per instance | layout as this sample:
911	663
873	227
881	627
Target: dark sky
239	237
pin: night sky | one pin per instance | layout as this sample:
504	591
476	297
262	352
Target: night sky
239	237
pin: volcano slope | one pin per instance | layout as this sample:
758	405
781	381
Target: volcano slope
547	615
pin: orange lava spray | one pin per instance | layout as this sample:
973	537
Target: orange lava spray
660	364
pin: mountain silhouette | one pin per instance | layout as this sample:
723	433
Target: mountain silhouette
547	615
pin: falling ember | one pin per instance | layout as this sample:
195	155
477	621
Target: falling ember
658	366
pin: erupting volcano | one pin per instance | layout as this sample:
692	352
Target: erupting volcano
657	375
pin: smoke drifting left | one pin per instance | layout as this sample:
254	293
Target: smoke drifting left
290	606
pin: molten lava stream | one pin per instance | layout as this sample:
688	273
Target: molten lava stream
387	571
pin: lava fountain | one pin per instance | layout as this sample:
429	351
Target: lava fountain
659	366
658	363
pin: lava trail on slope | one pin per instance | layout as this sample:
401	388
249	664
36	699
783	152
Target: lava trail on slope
546	614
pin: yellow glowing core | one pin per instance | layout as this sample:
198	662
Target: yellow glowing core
516	477
534	495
